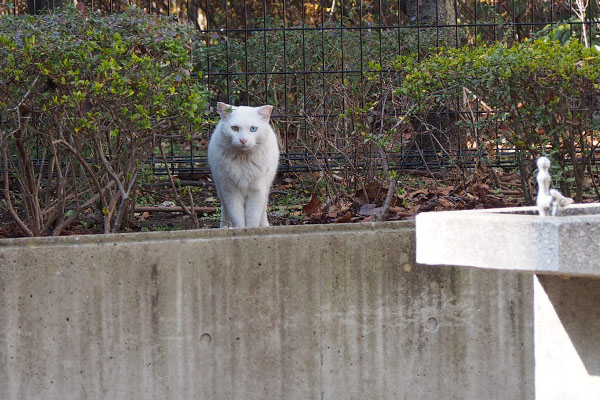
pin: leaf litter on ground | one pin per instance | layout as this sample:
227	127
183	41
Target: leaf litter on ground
415	195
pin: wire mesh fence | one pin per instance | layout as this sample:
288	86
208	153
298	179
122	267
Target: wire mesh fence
316	60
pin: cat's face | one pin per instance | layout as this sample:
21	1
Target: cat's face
245	127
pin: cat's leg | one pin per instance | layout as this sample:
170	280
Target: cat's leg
255	208
234	207
264	221
225	221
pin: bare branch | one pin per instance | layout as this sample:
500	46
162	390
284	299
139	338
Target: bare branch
7	198
175	191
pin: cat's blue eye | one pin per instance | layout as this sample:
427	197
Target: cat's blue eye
253	129
234	128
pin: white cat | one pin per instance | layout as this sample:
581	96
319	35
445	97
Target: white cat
243	156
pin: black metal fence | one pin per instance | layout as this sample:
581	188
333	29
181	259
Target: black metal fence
309	58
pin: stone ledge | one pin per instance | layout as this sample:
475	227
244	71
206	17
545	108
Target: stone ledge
205	234
513	239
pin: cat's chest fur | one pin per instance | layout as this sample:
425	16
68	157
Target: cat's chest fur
243	169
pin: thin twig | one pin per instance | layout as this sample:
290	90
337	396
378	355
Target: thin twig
181	182
386	168
194	216
9	206
76	212
85	166
123	204
109	169
150	209
172	180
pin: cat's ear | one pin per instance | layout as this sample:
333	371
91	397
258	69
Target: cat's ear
224	110
265	112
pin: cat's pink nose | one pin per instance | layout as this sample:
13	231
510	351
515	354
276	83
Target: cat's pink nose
243	141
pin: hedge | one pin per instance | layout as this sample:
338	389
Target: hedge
87	96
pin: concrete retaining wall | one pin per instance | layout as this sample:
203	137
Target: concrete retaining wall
310	312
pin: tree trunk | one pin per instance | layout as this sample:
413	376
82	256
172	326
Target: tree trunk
423	12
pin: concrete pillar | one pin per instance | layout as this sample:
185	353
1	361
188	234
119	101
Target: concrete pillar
567	338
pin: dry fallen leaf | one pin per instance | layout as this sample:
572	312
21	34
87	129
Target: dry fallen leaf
418	193
333	211
312	207
375	193
370	209
344	218
445	191
447	204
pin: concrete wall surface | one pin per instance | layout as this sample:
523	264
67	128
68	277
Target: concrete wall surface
308	312
567	338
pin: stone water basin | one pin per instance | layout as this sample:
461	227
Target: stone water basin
513	239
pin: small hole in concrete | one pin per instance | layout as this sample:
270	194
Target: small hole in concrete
205	340
431	325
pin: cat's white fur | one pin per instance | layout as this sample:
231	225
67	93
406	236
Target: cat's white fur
243	164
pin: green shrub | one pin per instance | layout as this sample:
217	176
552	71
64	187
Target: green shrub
87	96
537	97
